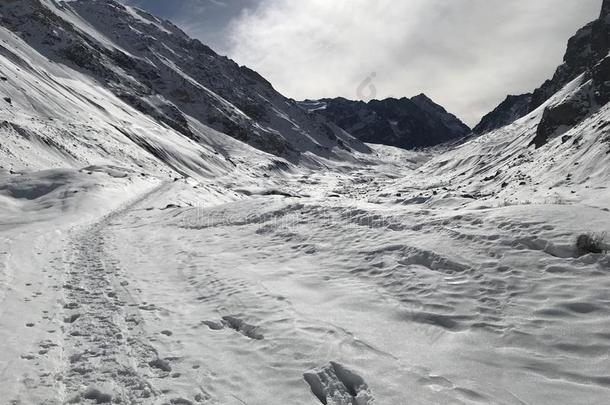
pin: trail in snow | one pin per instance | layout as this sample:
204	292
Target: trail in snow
105	348
382	277
334	287
453	306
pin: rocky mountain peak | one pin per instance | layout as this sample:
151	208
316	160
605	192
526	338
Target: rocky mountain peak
404	122
157	69
585	50
605	14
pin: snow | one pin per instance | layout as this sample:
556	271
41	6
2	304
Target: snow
64	11
141	15
347	290
144	267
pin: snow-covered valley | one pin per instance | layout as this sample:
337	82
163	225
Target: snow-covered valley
160	292
140	264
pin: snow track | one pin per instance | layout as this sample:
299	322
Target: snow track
141	264
268	298
105	348
406	297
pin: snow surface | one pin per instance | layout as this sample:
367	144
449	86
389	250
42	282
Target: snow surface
356	284
139	266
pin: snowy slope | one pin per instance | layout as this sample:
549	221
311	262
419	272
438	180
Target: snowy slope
504	165
393	279
58	117
155	68
142	264
585	50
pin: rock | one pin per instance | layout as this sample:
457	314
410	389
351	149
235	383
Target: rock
96	395
567	114
160	364
601	80
406	123
510	110
586	49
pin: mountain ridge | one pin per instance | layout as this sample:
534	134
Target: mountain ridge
156	68
405	122
584	51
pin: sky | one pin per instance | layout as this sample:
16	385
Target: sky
466	55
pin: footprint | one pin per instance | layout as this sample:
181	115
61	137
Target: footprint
97	396
72	318
213	325
238	325
180	401
336	384
160	364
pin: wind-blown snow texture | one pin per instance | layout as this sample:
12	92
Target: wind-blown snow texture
143	261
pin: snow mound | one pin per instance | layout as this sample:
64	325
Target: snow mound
334	384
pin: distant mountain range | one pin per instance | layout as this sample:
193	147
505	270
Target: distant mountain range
407	123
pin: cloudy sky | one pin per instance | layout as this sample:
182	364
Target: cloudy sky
464	54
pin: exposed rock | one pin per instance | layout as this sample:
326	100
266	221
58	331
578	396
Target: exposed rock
336	384
601	80
511	109
157	69
566	114
405	123
585	50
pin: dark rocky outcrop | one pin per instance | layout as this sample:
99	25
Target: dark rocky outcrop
565	114
511	109
601	79
405	123
154	67
585	54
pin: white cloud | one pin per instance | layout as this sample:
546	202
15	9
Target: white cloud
465	54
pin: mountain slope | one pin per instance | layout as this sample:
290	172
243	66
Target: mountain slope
158	70
406	123
145	261
586	49
53	116
511	109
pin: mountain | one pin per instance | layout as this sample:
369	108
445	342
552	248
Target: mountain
148	257
586	54
511	109
405	123
154	67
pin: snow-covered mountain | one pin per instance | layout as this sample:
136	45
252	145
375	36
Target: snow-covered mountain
152	255
153	67
406	123
511	109
587	53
